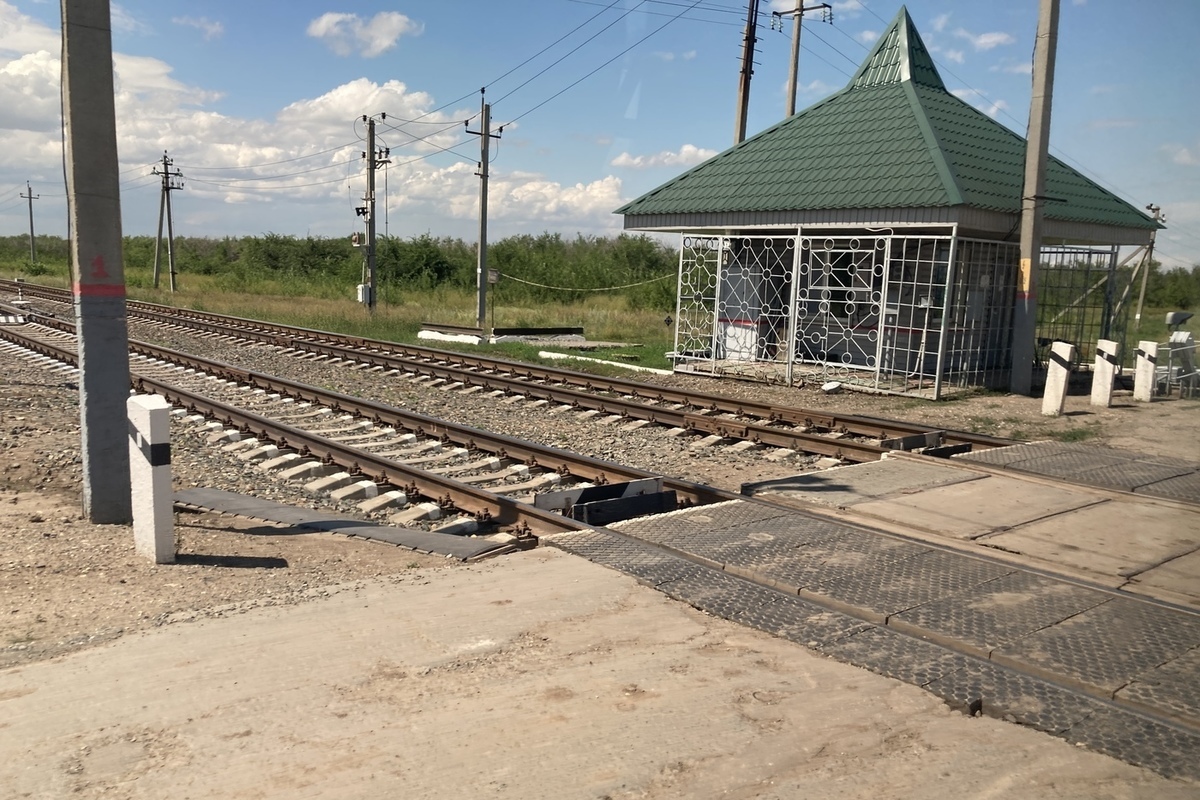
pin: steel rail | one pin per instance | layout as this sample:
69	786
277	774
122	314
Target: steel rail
550	458
308	339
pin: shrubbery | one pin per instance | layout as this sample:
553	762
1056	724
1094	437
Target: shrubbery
544	268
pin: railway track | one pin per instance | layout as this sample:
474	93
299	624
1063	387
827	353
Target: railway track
420	461
748	561
853	438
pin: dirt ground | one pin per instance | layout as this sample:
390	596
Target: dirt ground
274	664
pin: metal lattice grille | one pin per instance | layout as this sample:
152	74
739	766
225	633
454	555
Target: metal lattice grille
898	313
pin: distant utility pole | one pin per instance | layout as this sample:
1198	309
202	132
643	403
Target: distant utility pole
1159	217
98	271
797	15
376	158
170	183
743	96
30	196
485	139
1036	145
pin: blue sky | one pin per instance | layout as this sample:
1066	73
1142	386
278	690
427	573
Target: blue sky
257	101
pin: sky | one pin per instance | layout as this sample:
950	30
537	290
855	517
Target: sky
259	104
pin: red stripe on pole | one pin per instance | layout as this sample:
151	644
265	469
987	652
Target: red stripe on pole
99	289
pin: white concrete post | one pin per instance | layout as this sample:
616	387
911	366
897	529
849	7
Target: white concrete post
1143	375
1102	374
150	473
1058	375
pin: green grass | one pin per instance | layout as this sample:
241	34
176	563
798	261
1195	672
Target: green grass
329	305
1076	434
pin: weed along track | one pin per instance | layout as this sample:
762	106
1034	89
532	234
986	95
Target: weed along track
987	632
711	418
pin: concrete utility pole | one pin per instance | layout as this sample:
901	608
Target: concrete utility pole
169	184
376	158
30	196
485	139
1036	146
743	97
94	203
1158	217
797	15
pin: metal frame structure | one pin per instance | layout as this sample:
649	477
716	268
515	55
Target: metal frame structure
1079	301
906	311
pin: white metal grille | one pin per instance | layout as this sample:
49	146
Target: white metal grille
897	313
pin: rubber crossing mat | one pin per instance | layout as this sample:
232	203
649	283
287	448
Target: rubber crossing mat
1155	476
1116	674
241	505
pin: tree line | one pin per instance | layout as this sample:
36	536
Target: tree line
543	268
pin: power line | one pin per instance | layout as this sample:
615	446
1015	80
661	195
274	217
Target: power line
577	48
274	163
602	66
265	188
289	174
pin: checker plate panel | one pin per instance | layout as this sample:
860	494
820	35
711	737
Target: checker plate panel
885	587
1003	610
1107	646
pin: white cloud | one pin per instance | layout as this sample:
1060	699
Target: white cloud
210	28
956	56
666	55
940	22
866	37
347	34
688	155
1182	156
985	41
20	34
125	22
1018	68
978	99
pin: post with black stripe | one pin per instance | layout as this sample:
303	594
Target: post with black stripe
98	272
1104	372
150	473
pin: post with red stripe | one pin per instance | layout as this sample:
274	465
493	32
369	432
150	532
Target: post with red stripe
94	203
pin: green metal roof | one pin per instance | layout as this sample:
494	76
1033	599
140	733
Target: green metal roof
894	137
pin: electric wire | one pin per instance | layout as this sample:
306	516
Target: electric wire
577	48
272	163
601	289
285	174
602	66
